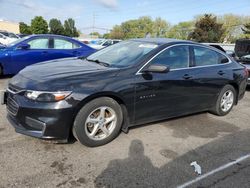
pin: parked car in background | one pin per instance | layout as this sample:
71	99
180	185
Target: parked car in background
99	44
2	46
242	52
126	84
226	48
23	35
7	37
37	48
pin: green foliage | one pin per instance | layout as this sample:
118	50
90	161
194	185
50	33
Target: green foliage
231	24
39	25
181	30
70	29
56	27
138	28
24	28
207	30
106	36
160	27
95	34
246	30
117	33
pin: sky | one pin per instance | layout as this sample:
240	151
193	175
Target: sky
104	14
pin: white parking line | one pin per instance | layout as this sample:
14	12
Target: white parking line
223	167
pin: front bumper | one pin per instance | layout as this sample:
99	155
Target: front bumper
51	121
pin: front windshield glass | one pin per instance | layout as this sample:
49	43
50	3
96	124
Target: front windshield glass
17	41
123	54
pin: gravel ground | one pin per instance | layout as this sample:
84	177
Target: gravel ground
154	155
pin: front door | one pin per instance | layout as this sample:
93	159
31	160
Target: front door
162	95
38	52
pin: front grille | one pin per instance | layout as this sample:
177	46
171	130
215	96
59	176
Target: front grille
12	106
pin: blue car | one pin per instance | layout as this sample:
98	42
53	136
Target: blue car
37	48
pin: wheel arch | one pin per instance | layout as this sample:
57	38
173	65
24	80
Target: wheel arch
115	97
1	69
236	87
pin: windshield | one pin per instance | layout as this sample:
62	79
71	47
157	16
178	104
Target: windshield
123	54
18	41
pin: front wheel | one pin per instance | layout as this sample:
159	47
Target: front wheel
1	71
225	101
98	122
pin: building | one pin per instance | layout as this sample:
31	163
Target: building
9	26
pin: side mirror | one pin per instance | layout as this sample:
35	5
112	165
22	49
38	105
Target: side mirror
157	69
24	46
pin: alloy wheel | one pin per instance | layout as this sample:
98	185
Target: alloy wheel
100	123
227	101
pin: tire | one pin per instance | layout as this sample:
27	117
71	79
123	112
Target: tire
1	70
90	127
220	109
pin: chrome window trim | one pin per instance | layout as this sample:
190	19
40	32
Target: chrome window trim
218	51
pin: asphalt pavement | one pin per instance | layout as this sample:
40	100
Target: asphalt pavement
153	155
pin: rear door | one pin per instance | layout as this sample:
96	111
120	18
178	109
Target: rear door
211	71
63	48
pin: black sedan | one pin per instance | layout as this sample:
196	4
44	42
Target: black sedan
130	83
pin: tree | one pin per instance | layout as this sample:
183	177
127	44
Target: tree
106	35
160	27
231	25
181	30
39	25
137	28
117	33
24	28
96	34
70	29
56	27
207	30
246	30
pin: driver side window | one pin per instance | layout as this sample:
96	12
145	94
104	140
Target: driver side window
175	57
39	43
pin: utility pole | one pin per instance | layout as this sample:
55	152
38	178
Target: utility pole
93	26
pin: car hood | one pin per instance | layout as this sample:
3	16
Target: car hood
60	68
60	74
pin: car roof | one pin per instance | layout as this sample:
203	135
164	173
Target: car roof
160	41
48	35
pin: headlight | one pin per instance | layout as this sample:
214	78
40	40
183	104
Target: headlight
45	96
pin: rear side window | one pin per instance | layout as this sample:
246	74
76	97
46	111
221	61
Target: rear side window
64	44
175	57
204	57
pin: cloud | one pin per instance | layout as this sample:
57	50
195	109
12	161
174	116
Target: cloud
112	4
27	9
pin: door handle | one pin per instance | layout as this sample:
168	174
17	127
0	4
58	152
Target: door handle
44	52
187	76
221	72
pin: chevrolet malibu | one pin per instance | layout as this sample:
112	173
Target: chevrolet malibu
127	84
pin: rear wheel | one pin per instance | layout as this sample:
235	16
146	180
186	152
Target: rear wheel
225	101
98	122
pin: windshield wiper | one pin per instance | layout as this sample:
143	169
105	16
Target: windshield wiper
99	62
